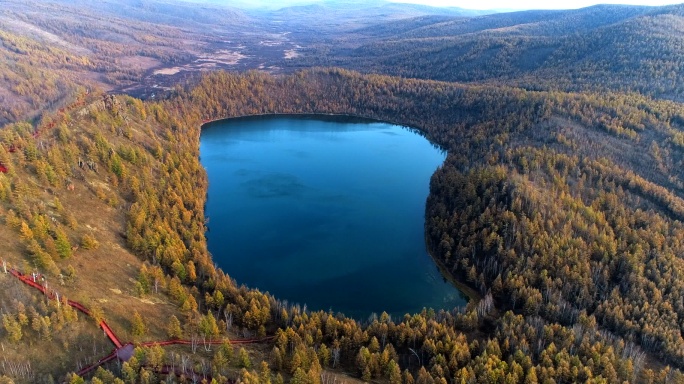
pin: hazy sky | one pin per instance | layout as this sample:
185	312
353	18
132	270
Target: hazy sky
467	4
531	4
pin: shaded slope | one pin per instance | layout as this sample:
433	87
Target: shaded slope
534	23
601	47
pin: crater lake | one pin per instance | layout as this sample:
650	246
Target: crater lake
325	211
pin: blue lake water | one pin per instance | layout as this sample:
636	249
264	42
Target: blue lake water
324	211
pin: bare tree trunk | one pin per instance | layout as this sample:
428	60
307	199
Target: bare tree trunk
420	361
229	319
194	341
336	356
184	363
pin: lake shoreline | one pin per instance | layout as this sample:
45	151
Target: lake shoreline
370	189
474	297
340	116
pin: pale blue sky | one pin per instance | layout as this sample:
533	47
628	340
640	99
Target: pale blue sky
530	4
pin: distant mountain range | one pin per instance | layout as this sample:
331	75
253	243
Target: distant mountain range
121	44
346	16
605	46
351	5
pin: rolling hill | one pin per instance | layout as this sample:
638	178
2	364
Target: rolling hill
561	201
602	47
51	48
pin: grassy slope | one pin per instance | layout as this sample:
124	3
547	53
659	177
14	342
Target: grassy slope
105	276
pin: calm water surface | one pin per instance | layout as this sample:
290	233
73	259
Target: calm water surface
323	211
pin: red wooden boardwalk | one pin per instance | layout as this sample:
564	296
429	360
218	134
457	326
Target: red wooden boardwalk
123	352
208	342
29	280
93	367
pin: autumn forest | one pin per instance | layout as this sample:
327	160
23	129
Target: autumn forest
560	205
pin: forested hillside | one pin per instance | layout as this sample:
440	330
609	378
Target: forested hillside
498	217
561	200
547	200
561	207
603	47
50	49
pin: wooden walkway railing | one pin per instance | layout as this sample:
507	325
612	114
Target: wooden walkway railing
123	352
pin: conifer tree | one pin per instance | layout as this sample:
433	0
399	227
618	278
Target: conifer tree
62	244
173	329
138	328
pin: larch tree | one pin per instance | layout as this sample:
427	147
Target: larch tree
62	244
138	328
173	329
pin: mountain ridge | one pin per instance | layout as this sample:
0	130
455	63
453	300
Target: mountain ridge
600	47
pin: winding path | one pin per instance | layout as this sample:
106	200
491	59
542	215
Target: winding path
32	280
123	352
